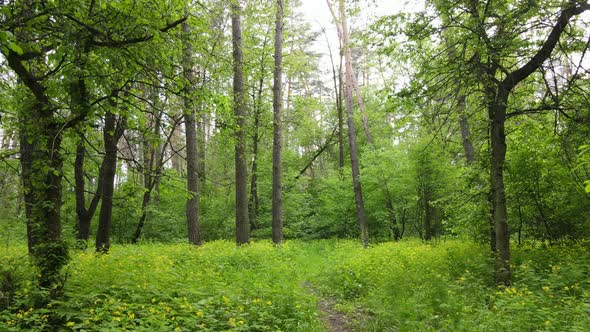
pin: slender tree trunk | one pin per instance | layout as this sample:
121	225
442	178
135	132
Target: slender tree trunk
361	107
111	134
360	206
85	215
497	113
465	131
253	204
277	105
192	149
340	118
242	225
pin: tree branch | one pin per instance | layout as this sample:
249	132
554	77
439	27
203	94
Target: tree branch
537	60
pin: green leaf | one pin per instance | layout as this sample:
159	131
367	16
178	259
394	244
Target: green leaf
15	48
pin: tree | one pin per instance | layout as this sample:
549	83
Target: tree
112	132
192	179
358	194
241	172
277	200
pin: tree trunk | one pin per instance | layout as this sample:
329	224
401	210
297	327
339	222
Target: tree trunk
84	215
41	165
253	203
497	115
465	131
358	195
192	150
277	105
242	226
112	132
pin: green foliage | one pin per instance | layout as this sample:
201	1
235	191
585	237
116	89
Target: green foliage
447	287
404	286
216	287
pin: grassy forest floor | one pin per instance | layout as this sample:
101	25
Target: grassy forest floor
325	285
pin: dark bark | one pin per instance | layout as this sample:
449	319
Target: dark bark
277	104
153	155
497	117
498	139
358	194
242	225
192	148
41	166
84	215
112	132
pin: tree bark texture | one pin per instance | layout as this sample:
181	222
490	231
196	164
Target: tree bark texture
112	132
192	148
277	105
242	225
84	215
358	194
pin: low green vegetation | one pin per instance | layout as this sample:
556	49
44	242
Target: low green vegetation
405	286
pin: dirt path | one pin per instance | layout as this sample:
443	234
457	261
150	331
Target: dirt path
334	320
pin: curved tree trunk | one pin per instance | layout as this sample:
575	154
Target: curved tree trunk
358	194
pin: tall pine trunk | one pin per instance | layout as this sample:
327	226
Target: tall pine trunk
277	105
242	225
192	179
358	194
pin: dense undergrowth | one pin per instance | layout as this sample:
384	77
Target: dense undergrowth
405	286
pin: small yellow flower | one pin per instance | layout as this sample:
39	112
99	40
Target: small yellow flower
269	302
70	324
200	313
546	288
256	300
131	315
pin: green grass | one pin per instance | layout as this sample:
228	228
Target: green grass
405	286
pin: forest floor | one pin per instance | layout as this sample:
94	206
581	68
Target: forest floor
330	285
334	320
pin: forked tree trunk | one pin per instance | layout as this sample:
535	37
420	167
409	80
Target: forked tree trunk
84	215
112	132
